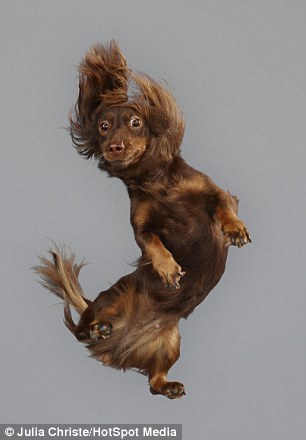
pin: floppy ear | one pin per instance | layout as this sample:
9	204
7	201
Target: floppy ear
163	114
102	71
103	76
157	121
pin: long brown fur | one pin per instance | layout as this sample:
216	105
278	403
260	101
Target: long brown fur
183	222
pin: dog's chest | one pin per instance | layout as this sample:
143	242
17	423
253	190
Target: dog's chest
178	221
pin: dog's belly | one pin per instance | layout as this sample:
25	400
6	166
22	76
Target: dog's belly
193	238
198	246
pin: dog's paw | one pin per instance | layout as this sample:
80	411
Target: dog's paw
172	390
101	330
236	233
169	271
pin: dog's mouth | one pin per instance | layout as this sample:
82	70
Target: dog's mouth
121	156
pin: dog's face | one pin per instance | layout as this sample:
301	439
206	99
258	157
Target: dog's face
123	137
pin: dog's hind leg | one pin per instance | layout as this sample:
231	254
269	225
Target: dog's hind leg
167	355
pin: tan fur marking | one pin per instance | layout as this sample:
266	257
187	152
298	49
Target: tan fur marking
163	261
158	381
233	228
142	213
195	184
225	216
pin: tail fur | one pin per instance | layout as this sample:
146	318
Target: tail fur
60	276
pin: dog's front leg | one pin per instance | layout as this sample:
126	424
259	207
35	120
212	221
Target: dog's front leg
162	260
233	228
153	249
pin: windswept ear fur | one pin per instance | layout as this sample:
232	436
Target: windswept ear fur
155	100
156	121
103	76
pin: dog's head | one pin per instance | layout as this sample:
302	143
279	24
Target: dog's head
118	129
125	133
123	137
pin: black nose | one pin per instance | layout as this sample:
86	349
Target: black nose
116	149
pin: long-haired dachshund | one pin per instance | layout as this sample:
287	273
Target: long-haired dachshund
183	222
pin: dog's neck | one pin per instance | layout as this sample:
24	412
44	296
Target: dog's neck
150	171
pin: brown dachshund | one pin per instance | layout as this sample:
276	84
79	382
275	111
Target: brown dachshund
183	222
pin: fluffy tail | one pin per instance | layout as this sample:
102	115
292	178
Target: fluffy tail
60	276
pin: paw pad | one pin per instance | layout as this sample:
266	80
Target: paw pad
175	390
101	330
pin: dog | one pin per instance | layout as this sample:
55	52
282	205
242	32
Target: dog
183	222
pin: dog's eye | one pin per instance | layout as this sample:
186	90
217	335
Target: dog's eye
135	122
103	126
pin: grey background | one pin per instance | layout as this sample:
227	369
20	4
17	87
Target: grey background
237	68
